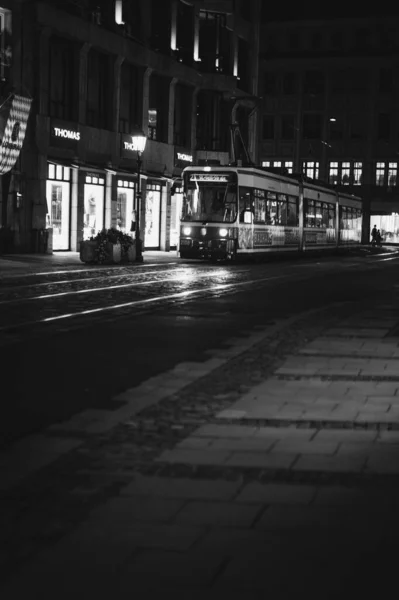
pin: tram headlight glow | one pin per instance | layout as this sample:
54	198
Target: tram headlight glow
186	230
223	232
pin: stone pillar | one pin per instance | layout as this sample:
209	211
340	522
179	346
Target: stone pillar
108	199
146	98
196	32
80	208
74	209
44	47
298	129
83	83
164	242
193	141
116	105
173	26
171	111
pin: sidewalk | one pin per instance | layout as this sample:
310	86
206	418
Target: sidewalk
34	263
270	470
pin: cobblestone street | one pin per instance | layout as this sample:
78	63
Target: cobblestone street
272	467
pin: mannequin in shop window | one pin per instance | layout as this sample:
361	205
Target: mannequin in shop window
90	216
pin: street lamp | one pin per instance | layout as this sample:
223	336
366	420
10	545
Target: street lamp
139	140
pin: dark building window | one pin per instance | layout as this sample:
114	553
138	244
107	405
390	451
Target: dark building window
244	66
288	127
161	26
357	126
385	80
132	17
63	79
99	89
214	43
268	127
336	129
338	81
358	79
182	120
362	39
212	121
270	83
131	94
312	123
185	33
316	41
383	126
293	41
289	83
337	40
314	82
159	106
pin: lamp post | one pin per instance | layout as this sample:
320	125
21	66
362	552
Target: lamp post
139	140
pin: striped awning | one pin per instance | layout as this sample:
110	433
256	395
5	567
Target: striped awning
15	116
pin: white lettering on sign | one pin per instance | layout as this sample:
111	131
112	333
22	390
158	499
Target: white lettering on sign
67	133
200	177
128	146
186	157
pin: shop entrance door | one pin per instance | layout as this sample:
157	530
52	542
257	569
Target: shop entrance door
58	203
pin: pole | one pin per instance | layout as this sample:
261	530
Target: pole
139	253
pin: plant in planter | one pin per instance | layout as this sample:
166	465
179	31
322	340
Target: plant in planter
108	246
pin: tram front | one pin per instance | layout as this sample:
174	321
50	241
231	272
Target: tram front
208	227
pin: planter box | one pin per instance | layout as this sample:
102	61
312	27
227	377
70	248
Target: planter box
130	255
88	251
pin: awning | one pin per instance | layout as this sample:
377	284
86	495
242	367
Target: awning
15	113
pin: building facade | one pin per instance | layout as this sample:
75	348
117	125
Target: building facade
96	72
330	91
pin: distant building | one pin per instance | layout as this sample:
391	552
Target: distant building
330	92
96	71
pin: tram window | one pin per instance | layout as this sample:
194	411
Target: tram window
310	214
282	209
260	210
292	212
245	202
331	217
318	221
271	209
324	212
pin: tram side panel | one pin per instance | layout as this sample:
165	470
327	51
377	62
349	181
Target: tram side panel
320	214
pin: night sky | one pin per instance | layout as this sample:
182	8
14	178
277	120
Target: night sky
327	11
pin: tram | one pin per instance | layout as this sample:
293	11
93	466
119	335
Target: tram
232	212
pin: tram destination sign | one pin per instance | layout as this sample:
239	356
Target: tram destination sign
211	177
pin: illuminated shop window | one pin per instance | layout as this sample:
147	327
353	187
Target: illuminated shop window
357	173
51	171
289	165
380	173
311	169
333	173
392	173
58	172
266	163
346	173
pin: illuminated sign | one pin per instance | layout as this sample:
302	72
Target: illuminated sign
13	134
66	133
128	146
209	178
185	157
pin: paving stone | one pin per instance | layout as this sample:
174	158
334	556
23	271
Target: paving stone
137	508
330	464
171	568
207	456
232	431
182	488
260	460
282	433
247	444
276	493
303	447
220	514
345	435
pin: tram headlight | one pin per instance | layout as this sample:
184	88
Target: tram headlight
223	232
186	230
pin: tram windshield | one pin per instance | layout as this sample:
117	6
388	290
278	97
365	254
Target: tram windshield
210	197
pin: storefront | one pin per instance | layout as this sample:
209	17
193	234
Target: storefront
93	214
176	203
125	205
153	215
183	158
58	194
64	141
